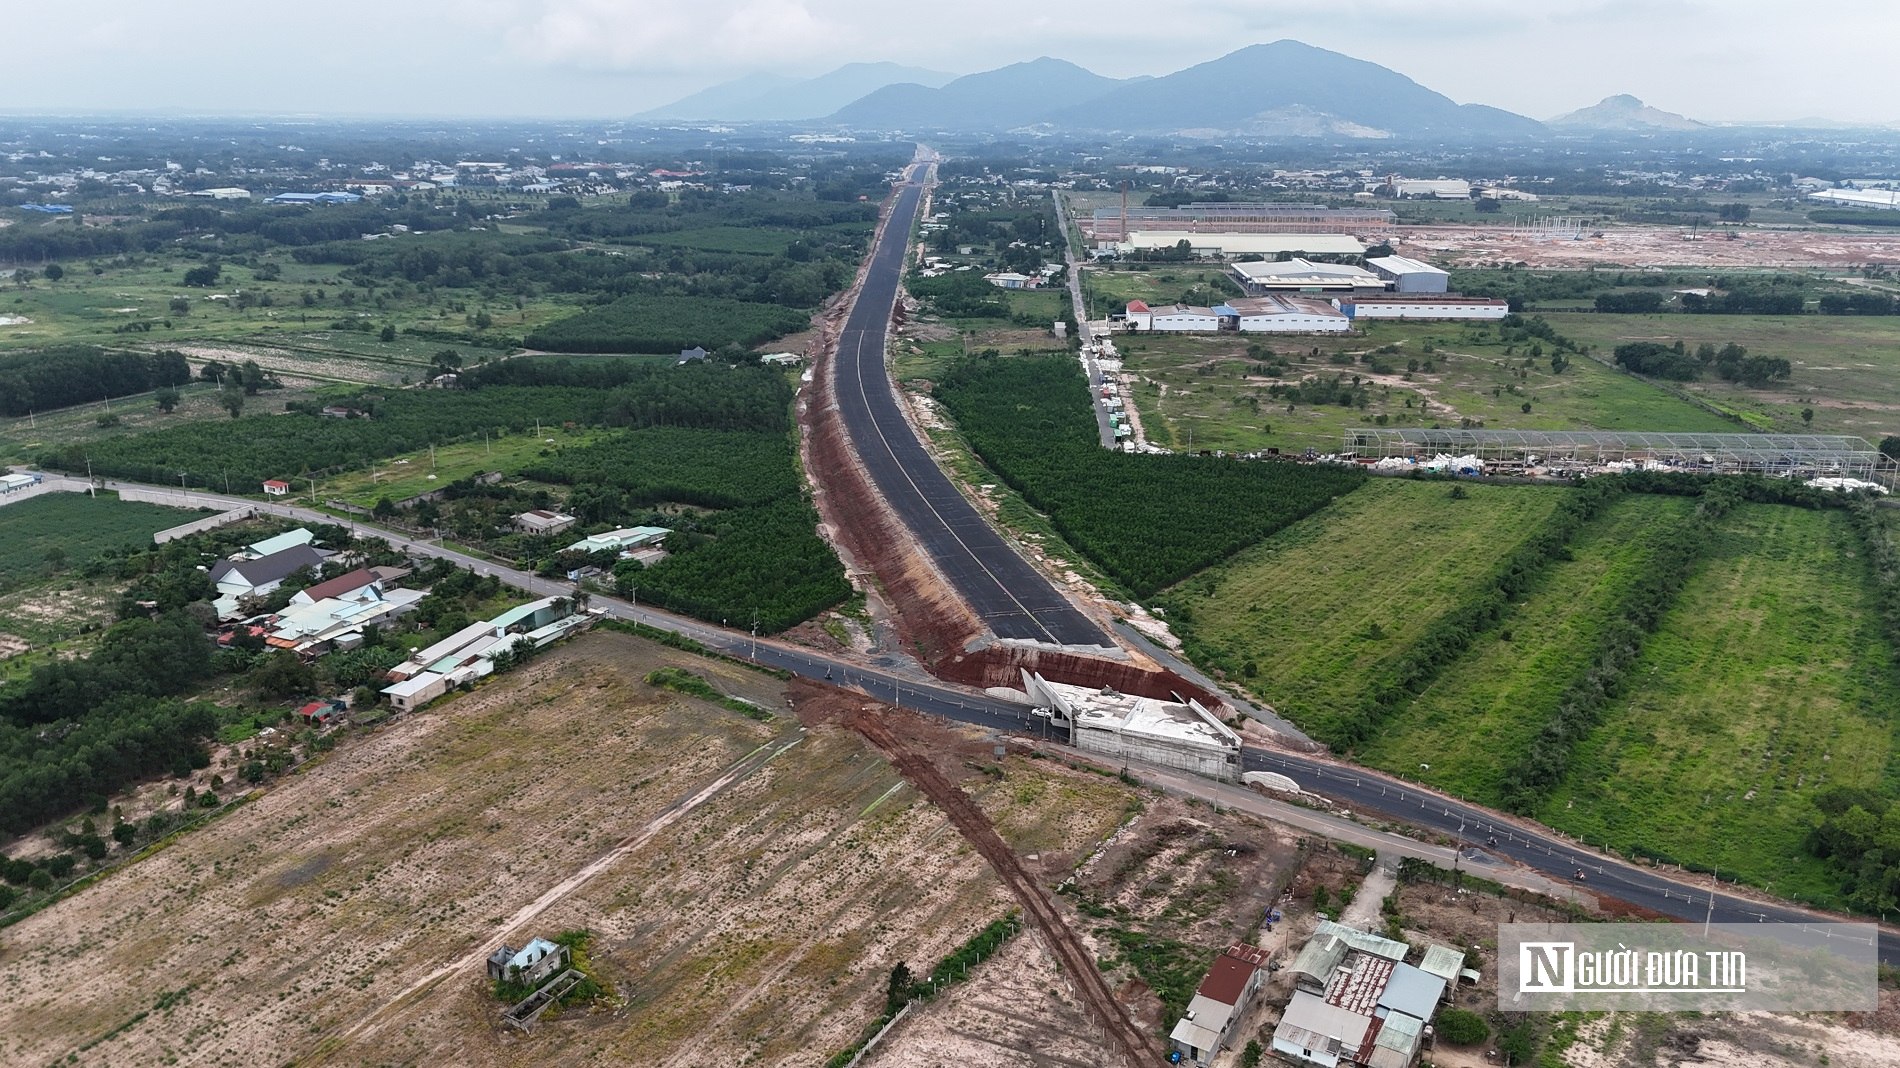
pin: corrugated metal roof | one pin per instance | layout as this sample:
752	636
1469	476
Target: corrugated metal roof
1363	940
1442	961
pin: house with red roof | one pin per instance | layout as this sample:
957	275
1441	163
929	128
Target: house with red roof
1215	1011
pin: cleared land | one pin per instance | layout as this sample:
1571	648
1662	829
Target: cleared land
1644	246
1312	607
754	921
1209	392
1846	367
1488	707
1769	679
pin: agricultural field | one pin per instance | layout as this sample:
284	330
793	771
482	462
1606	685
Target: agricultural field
1769	680
1486	708
130	301
76	527
1846	367
1300	618
1211	392
772	873
402	477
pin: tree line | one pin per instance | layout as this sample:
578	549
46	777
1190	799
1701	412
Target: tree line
66	375
1730	363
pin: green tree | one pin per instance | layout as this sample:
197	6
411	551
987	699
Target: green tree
283	674
1890	446
232	397
54	272
1250	1057
1518	1044
41	879
389	332
898	989
1462	1028
125	833
181	306
1807	417
166	398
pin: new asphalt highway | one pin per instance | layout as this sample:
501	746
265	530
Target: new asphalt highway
899	681
1011	597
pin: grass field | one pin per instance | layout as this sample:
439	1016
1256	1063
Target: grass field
1200	391
1303	605
87	307
402	477
1770	679
1491	703
77	526
1846	367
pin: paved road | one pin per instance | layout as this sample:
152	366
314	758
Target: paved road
1369	791
1360	789
1013	599
1089	367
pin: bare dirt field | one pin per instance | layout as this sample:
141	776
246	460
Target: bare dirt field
748	887
1647	246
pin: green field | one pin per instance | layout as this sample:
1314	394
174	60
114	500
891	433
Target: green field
1301	606
96	308
1769	680
77	526
1207	392
1846	367
1490	704
402	477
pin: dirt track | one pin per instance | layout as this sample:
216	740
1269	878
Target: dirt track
1077	962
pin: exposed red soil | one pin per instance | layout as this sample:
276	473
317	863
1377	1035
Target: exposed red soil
911	749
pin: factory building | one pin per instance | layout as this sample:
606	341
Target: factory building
1176	734
1422	306
1247	315
1872	199
1115	224
1259	278
1409	276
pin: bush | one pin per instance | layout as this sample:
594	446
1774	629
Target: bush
1462	1028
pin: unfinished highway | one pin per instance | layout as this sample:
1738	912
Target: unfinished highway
1013	599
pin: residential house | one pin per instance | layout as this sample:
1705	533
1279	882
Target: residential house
1009	280
530	965
1356	1002
290	539
236	579
689	355
1217	1007
358	585
276	488
542	521
621	540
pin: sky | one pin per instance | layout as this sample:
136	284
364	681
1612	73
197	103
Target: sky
1709	59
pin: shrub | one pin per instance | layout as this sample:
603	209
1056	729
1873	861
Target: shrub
1461	1027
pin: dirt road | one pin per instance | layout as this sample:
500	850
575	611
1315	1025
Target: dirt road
1076	960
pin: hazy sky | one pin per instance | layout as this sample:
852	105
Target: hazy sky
1711	59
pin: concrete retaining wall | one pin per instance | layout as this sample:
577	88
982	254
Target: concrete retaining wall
1200	760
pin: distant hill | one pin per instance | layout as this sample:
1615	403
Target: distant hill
775	98
1625	112
1283	89
1011	96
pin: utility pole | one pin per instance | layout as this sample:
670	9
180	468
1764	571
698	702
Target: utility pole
1714	874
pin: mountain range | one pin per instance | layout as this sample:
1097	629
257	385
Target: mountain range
777	98
1624	112
1281	89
